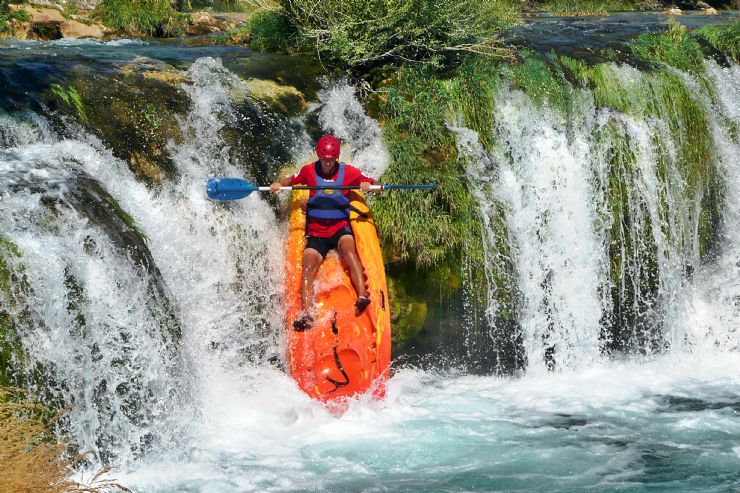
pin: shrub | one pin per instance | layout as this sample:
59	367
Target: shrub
20	14
430	229
272	31
153	17
71	8
373	32
4	17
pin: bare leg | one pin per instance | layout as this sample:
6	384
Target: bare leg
351	261
311	262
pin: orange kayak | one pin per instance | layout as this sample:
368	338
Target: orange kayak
341	355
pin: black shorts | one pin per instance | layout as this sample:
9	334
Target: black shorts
323	245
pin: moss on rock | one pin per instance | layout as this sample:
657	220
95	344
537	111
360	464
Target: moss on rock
281	98
133	110
11	350
408	311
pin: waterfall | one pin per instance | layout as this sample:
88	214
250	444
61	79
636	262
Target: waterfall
708	314
93	317
148	307
604	216
342	115
90	318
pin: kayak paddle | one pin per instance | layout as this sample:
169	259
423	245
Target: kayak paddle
236	188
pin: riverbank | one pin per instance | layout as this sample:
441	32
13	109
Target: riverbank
45	22
57	19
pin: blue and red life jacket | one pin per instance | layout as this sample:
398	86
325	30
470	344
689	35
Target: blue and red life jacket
331	205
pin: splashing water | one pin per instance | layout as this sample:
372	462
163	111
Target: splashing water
342	115
210	412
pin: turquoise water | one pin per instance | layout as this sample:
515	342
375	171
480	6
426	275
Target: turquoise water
223	418
669	424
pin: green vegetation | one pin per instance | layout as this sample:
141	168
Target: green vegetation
271	31
544	83
4	18
586	7
725	39
266	30
674	47
71	8
149	17
425	228
358	33
632	250
127	218
71	98
665	96
20	14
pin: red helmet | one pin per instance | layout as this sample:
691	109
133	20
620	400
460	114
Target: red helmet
328	147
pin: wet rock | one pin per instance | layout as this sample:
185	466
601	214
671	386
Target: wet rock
408	312
673	11
134	111
284	99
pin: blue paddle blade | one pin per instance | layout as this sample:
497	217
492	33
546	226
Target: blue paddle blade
229	188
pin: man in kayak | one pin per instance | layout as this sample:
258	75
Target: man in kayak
327	222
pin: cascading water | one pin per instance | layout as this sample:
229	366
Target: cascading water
91	310
545	188
157	312
708	313
342	115
579	186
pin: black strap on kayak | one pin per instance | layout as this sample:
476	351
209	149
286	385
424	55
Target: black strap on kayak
337	383
363	215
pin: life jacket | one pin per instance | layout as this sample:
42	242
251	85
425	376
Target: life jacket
330	205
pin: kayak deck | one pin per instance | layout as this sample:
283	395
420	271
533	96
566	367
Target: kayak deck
342	355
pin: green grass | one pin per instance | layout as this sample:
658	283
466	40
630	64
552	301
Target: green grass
272	31
267	30
471	94
437	234
543	82
4	18
21	15
725	39
71	98
71	8
674	47
586	7
149	17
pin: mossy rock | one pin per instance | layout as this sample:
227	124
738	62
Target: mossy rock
133	110
11	350
281	98
408	311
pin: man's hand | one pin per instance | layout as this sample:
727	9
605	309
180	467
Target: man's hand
365	186
275	187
